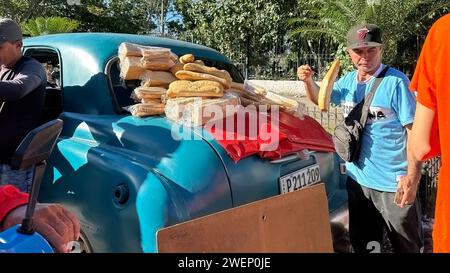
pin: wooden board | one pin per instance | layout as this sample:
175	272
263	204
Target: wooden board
293	222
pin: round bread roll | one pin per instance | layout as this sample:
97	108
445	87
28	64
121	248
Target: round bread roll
188	58
326	87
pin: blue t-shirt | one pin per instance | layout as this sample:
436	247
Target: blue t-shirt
383	148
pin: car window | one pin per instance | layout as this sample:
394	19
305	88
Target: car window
50	60
121	89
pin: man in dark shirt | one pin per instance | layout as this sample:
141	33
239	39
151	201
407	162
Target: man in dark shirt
22	91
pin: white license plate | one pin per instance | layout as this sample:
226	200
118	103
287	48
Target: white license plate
299	179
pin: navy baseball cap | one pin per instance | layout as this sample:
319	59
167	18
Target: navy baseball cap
9	31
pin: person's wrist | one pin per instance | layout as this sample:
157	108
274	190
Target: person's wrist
413	179
308	82
13	217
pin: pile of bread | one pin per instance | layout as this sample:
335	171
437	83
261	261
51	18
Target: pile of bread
181	88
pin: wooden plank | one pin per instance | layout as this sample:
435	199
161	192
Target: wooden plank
293	222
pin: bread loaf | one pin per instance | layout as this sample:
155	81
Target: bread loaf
177	67
326	87
175	106
188	58
208	70
159	64
197	111
147	100
203	88
285	103
147	109
157	78
130	68
236	85
143	92
195	76
200	62
156	53
129	49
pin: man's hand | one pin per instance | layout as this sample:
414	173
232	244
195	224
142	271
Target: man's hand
305	73
55	223
406	191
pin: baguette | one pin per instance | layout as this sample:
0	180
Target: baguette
208	70
326	87
238	86
200	62
188	58
194	76
177	67
285	103
204	88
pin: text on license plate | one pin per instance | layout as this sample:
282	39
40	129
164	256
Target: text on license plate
299	179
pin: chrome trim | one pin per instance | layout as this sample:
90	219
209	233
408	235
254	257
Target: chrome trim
303	155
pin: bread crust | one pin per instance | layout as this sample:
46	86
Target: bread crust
326	87
202	88
195	76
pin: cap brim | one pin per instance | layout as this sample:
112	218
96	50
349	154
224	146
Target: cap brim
364	44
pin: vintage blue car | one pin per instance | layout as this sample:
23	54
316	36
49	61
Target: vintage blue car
127	177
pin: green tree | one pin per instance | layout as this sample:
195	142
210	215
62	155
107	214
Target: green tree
22	10
127	16
49	25
400	21
242	29
124	16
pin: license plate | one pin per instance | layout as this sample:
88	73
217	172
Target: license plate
299	179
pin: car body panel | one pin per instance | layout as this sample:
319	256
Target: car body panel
127	177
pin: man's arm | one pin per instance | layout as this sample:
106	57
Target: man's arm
55	223
409	183
24	82
305	74
420	135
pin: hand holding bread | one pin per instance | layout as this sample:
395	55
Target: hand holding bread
305	73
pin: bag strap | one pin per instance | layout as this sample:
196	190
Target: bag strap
368	99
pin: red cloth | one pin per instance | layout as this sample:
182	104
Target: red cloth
285	135
10	198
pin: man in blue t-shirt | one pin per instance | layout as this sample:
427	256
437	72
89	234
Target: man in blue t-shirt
385	170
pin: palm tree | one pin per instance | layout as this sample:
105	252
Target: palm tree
49	25
399	20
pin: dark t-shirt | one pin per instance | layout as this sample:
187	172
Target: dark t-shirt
22	88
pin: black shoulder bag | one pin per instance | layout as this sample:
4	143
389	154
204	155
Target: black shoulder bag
347	135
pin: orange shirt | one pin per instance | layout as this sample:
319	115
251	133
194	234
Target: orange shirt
432	82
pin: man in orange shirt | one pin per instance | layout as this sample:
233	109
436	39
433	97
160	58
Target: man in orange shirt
431	129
